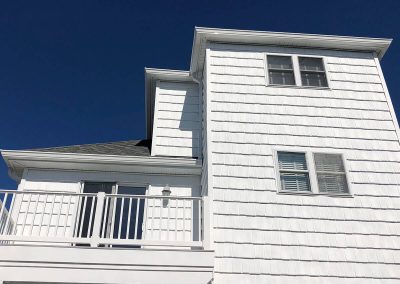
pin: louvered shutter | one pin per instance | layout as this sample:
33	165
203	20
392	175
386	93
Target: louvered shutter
331	174
293	171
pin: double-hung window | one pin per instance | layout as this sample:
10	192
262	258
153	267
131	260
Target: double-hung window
293	70
327	173
293	171
280	70
312	72
331	173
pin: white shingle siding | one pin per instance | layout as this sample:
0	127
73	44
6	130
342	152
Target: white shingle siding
261	236
176	130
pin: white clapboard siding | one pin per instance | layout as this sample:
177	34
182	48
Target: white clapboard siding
176	129
264	237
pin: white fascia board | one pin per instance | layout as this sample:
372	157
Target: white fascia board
152	75
19	160
333	42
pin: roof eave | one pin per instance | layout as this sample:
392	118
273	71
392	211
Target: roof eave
17	161
204	35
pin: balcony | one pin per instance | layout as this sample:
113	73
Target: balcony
100	219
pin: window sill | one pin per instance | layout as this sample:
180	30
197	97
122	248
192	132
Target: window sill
299	87
309	193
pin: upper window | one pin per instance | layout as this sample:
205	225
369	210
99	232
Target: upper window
293	70
312	72
280	70
293	171
331	174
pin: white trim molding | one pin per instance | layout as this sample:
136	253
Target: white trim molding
18	160
249	37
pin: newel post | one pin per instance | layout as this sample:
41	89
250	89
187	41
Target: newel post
95	238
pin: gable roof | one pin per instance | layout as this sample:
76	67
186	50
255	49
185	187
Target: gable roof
120	148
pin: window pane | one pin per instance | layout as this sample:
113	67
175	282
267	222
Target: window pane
328	163
295	181
311	64
279	62
292	161
332	183
313	79
281	78
330	173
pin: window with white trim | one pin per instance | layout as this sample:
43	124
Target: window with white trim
331	174
293	171
312	72
280	70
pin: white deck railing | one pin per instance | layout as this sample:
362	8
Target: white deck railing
100	219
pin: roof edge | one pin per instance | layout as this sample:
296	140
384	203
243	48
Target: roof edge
18	160
203	34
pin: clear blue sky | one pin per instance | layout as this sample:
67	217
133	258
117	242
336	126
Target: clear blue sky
71	72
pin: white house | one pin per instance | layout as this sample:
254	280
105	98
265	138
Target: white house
275	159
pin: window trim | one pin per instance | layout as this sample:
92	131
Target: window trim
296	71
312	174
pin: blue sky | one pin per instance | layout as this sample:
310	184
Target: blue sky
71	72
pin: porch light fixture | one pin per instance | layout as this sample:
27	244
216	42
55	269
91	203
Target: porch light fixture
166	192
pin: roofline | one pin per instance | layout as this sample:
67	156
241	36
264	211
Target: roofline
203	35
152	75
18	160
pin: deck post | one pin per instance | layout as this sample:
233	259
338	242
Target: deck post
95	237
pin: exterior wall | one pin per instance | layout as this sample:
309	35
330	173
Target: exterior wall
159	227
261	236
47	264
176	128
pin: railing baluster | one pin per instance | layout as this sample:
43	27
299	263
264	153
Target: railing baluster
66	216
168	226
161	222
136	218
41	215
105	218
58	214
34	215
200	218
91	217
8	221
121	213
26	212
152	217
184	219
50	215
2	210
191	220
82	216
113	217
128	225
176	219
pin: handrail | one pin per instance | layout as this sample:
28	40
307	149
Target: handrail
100	219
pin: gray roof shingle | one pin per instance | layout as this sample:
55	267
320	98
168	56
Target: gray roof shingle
121	148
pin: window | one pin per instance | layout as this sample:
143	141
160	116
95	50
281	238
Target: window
280	70
331	174
312	72
293	171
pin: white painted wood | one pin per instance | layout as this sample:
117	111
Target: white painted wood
176	129
257	232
